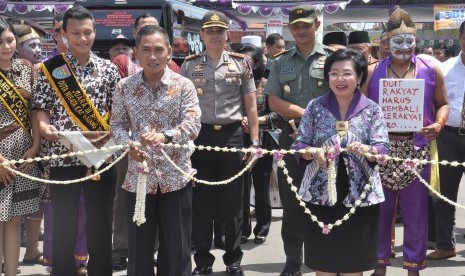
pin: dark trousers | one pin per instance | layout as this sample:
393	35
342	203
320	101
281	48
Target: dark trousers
451	147
65	202
171	213
293	215
120	221
260	177
217	201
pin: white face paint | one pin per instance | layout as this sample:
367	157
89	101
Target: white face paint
32	50
402	46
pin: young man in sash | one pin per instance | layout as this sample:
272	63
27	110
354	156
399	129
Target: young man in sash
74	93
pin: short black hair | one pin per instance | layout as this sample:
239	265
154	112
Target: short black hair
272	38
426	47
462	28
77	12
142	16
448	50
152	29
257	54
359	61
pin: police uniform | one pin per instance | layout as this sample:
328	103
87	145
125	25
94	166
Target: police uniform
220	88
297	79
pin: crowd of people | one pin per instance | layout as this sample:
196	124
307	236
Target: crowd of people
321	97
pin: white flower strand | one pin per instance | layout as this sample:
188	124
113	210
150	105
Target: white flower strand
65	182
141	191
332	191
209	148
326	228
436	193
193	147
223	182
60	156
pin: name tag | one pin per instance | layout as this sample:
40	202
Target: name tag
288	70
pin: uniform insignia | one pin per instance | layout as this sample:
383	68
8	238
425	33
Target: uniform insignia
282	53
215	17
322	58
232	67
287	89
192	57
199	81
199	91
198	68
288	70
236	55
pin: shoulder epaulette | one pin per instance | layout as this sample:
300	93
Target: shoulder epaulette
192	56
234	54
282	53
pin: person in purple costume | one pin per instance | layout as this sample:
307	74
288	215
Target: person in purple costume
397	182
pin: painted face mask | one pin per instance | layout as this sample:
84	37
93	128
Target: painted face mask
32	50
402	46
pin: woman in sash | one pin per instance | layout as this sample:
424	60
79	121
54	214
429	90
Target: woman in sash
18	195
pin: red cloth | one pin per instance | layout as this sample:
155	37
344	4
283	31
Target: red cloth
129	66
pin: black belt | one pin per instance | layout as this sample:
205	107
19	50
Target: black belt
219	127
403	134
458	130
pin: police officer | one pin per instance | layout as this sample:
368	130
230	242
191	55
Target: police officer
225	87
295	78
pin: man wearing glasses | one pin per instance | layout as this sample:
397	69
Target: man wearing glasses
225	86
296	77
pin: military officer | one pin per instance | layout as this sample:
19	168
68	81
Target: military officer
225	87
296	77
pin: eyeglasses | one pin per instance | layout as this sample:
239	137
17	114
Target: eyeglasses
343	75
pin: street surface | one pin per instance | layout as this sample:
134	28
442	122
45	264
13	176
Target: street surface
269	258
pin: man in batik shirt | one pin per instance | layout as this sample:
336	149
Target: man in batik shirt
158	106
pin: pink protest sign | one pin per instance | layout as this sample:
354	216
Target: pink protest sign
402	103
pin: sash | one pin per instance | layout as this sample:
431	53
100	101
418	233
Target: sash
88	140
72	95
15	102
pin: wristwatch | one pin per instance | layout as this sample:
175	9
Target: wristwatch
256	143
168	135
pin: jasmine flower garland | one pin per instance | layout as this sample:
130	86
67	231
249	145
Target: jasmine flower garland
331	154
381	159
139	210
325	228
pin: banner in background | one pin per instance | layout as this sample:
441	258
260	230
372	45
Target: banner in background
448	16
274	24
